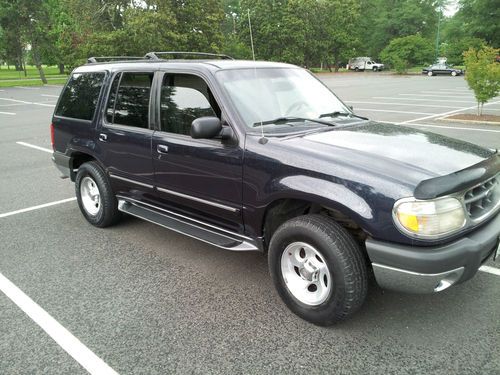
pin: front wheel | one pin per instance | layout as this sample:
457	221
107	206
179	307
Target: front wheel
318	269
453	73
430	74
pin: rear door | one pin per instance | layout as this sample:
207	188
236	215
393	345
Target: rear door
201	177
124	137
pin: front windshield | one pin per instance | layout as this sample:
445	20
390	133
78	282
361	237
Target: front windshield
264	95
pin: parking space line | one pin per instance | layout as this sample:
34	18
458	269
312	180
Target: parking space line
64	338
453	127
425	100
492	270
404	104
441	96
11	105
392	111
446	113
8	113
50	96
35	147
459	94
25	102
33	208
27	88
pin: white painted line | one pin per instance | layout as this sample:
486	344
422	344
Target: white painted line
445	113
454	127
492	270
383	110
33	208
453	96
11	105
457	94
404	104
50	96
64	338
425	100
456	89
25	102
8	113
27	88
35	147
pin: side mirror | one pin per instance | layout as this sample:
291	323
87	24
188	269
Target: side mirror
206	127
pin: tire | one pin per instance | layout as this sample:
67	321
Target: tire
453	73
430	74
356	69
91	182
375	69
318	241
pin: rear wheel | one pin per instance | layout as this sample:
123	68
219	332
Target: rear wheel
356	69
318	269
95	197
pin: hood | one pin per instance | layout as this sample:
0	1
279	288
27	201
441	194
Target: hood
395	151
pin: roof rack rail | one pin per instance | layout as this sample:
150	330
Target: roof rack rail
174	54
96	59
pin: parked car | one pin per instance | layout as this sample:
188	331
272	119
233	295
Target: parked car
442	69
364	63
261	156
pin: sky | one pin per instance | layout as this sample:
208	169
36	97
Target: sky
451	8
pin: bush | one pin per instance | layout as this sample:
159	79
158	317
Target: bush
407	51
482	73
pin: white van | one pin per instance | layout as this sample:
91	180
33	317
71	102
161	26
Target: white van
364	63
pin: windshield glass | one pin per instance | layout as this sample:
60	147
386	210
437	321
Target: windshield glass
264	95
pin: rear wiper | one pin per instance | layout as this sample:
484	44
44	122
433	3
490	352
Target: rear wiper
339	113
284	120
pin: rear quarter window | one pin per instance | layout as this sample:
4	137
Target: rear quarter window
80	96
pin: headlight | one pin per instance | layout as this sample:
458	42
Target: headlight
429	218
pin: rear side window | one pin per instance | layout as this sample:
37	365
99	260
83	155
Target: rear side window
128	102
80	96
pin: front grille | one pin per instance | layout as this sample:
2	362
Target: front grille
483	199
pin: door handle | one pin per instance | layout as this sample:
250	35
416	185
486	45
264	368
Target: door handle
162	149
103	137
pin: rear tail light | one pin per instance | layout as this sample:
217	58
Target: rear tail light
52	136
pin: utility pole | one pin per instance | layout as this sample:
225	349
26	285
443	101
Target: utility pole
438	29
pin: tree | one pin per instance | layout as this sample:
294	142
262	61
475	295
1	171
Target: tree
454	49
482	74
480	19
403	52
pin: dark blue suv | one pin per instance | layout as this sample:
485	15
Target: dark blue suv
262	156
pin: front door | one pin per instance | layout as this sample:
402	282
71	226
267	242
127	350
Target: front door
200	177
125	133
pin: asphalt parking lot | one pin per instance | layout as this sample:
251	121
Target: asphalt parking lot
139	299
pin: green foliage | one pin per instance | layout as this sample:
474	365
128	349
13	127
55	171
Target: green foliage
482	74
454	50
407	51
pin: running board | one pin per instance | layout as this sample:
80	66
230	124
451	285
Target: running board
189	227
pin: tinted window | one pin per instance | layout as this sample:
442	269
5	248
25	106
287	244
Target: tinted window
130	104
79	98
110	108
184	98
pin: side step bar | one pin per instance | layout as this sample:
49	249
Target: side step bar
190	227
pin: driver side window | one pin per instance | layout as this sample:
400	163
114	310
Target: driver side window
184	98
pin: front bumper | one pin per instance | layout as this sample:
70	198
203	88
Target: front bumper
432	269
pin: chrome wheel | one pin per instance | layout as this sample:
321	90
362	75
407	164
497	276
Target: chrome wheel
91	197
430	74
305	273
453	73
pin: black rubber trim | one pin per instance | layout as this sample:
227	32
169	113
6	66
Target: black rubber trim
469	252
63	163
458	181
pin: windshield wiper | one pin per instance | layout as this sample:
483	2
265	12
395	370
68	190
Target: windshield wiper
339	113
284	120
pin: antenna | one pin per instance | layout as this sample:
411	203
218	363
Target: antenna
263	139
251	36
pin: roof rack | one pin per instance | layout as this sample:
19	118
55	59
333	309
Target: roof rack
174	54
113	58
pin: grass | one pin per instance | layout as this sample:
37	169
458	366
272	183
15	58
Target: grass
11	77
